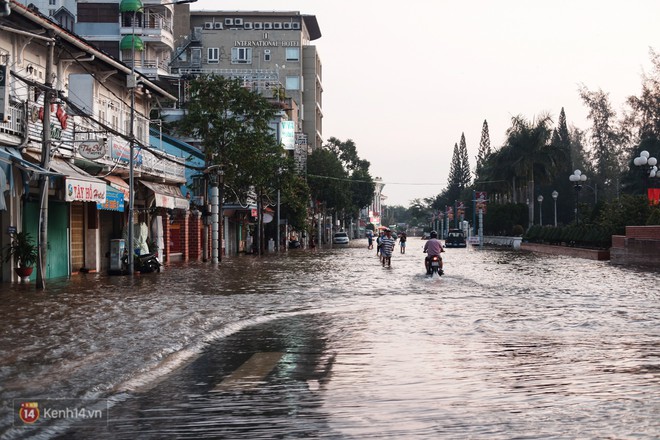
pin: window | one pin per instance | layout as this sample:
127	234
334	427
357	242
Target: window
51	2
293	83
266	56
98	13
241	55
293	54
213	55
196	56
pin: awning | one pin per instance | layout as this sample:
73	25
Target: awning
79	186
114	200
130	6
129	41
13	156
167	196
119	184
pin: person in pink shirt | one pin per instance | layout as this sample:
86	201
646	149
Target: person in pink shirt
432	247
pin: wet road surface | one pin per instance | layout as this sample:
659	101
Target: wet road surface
328	344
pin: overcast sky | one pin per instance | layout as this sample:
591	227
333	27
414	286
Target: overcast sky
404	79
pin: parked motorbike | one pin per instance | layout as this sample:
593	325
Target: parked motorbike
433	266
144	263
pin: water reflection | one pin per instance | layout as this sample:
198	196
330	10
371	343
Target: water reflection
505	344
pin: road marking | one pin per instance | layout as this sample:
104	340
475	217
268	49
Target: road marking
253	371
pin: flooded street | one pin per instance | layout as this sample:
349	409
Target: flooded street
329	344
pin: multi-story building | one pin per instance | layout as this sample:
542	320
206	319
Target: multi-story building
138	33
270	51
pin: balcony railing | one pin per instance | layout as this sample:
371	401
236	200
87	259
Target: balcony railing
14	125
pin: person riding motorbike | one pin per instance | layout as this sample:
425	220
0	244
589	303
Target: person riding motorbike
433	247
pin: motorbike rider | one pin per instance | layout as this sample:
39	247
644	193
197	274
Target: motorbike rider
433	247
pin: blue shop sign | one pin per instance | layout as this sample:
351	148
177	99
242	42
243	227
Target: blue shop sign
114	200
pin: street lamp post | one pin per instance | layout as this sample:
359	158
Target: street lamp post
555	194
540	199
650	167
131	84
577	178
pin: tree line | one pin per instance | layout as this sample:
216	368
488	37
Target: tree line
539	155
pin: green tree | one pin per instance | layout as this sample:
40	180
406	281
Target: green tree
228	119
646	107
465	174
484	151
353	187
454	183
529	155
328	180
233	125
606	142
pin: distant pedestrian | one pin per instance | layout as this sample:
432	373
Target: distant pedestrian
387	244
370	239
402	242
379	240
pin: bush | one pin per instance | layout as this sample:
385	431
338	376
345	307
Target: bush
517	231
654	218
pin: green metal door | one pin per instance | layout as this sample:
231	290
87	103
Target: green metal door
57	259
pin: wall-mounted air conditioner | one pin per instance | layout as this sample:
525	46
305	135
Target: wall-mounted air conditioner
268	25
238	21
258	25
295	25
217	25
229	21
208	25
287	25
277	25
247	25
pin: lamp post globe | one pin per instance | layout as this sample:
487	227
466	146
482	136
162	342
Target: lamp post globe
555	194
577	178
649	167
540	200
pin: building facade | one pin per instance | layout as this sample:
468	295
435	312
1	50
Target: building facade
71	115
270	51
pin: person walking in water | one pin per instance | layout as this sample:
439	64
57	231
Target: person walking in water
386	248
370	239
402	242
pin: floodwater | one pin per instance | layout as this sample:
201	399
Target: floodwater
505	345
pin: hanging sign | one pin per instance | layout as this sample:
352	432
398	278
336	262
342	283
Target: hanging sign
92	150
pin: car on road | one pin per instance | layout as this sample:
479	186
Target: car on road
455	238
340	238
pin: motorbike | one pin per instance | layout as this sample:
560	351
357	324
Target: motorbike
144	263
433	266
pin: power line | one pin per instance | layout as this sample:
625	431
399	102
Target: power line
371	181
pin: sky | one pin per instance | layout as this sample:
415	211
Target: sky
404	80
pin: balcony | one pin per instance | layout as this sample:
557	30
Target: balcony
154	28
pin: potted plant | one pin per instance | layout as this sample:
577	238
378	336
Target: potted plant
24	251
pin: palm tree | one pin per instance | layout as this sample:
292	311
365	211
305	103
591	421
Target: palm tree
527	154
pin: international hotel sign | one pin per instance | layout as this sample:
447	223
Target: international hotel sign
266	43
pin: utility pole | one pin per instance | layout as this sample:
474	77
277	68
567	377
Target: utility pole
42	240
